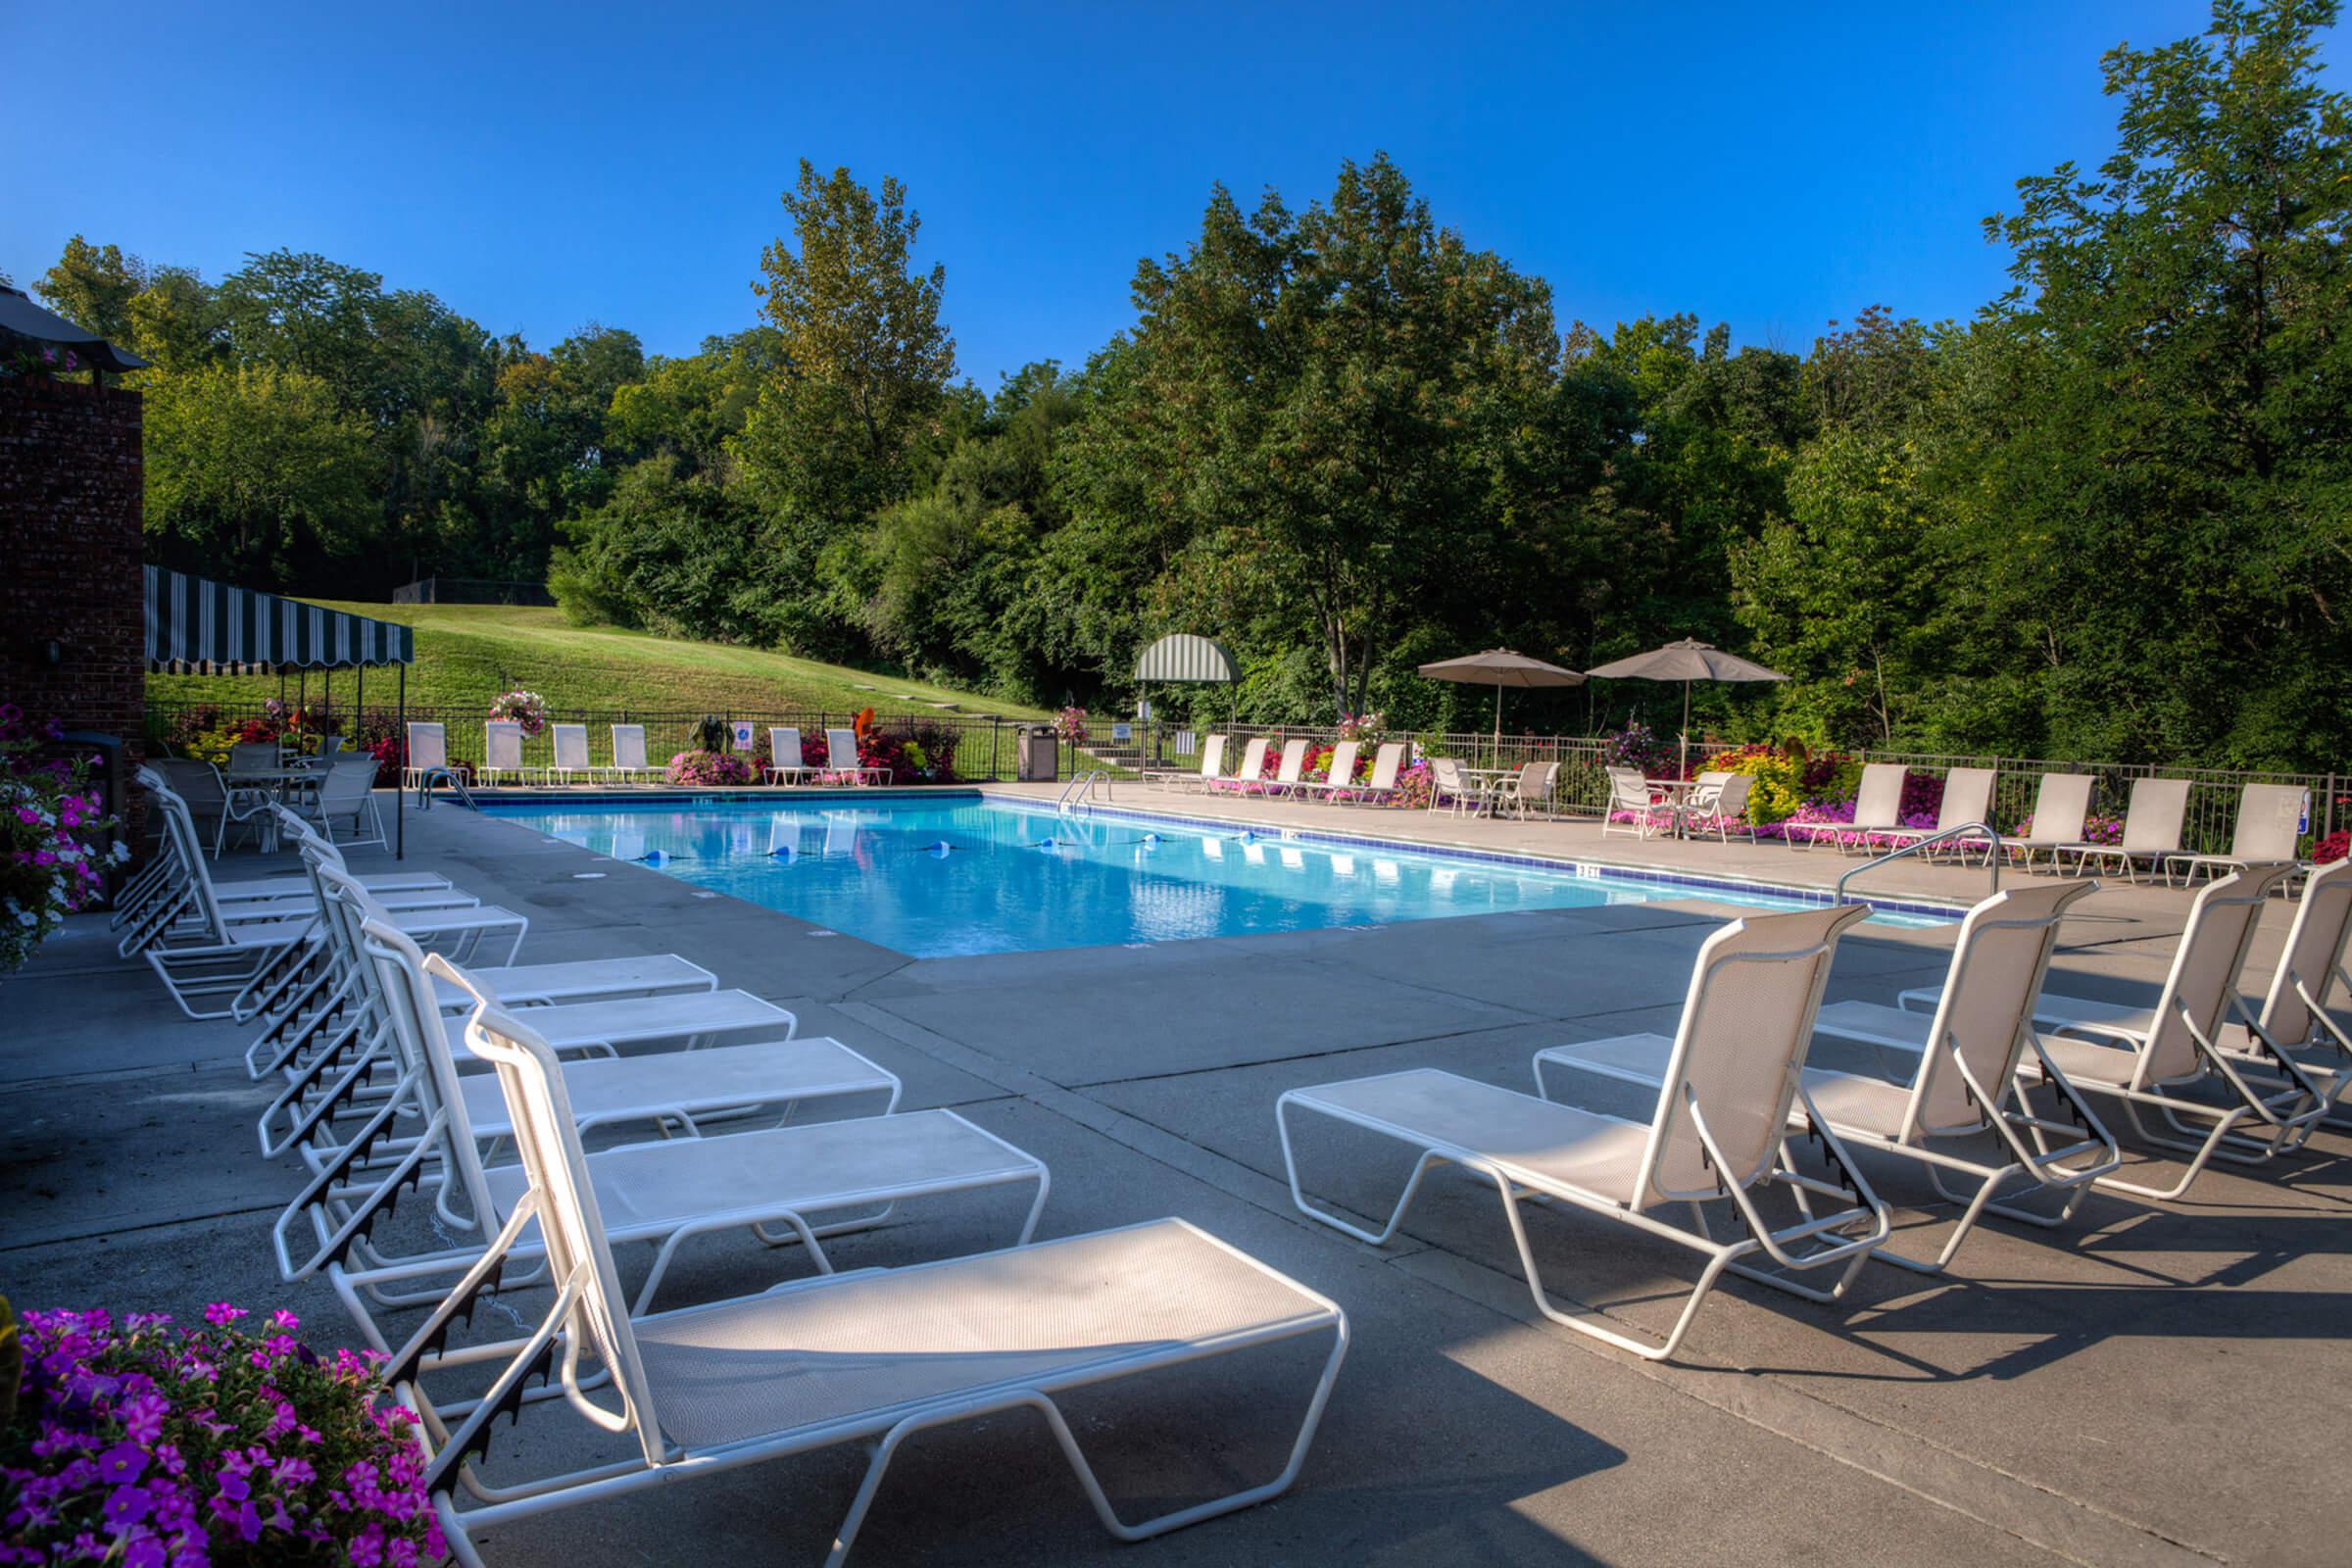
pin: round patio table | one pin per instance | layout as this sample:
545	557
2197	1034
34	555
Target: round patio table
274	781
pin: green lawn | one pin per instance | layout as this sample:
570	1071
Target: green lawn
467	654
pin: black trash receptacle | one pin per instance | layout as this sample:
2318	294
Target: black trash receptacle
1038	760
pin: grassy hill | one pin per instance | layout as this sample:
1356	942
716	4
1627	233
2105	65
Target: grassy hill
467	654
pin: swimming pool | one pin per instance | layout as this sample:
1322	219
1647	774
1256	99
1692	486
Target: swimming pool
938	878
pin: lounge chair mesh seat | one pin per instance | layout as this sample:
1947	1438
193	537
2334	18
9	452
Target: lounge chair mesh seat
672	1181
1054	1312
1525	1135
581	979
632	1088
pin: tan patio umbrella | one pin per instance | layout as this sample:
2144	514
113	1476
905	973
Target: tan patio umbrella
1499	667
1686	661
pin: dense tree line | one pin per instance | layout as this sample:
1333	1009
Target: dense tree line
2109	517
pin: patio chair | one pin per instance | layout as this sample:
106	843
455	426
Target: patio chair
1382	787
1730	1079
629	766
1339	774
1967	800
783	1184
1719	806
502	754
1212	765
874	1357
346	793
2061	807
784	762
570	743
2150	1059
841	743
2153	819
1287	772
2269	820
1452	789
2294	1018
210	797
1878	809
1631	798
1956	1087
1529	788
1250	773
427	753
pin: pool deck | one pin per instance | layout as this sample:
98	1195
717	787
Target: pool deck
2152	1384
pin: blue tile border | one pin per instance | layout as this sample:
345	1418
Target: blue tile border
1581	870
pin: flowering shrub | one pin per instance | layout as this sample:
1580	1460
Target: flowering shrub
1785	779
1415	785
2334	847
49	361
1635	746
50	865
146	1445
527	708
712	767
1070	725
1365	727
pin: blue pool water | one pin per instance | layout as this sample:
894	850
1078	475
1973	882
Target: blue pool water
935	878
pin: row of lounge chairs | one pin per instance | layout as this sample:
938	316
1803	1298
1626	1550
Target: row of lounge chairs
635	1104
2202	1072
502	759
2268	826
1519	791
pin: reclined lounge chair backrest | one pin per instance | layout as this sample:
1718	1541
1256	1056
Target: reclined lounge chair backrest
2153	819
784	747
2203	979
1343	763
628	748
1998	965
2269	817
569	1221
502	745
398	983
2314	951
1746	1023
428	746
1212	756
1254	759
1967	798
2061	806
1386	763
572	746
1294	762
1878	802
841	749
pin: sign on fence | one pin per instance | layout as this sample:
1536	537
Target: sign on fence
743	734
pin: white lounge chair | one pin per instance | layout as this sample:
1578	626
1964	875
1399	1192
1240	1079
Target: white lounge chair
1386	764
1878	809
843	743
2153	819
502	754
785	765
1250	774
2150	1059
1290	772
571	764
1967	800
1955	1088
1212	765
2061	809
1339	773
1631	797
2294	1018
629	764
2270	821
427	753
1730	1080
874	1357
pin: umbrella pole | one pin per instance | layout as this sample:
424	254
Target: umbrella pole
1684	763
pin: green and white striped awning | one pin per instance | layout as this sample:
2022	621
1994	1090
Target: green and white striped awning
1186	658
197	627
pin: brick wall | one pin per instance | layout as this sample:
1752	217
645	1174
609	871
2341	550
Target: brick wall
71	492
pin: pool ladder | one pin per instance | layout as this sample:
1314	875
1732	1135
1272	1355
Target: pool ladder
1081	789
448	776
1980	830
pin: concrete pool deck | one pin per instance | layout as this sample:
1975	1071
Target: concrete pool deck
2155	1383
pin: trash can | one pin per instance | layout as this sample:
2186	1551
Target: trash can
1038	754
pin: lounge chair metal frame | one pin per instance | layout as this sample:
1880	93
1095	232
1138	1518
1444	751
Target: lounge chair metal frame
1812	1243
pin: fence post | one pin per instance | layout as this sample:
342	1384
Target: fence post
2329	810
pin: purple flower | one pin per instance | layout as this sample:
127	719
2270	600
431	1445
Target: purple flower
122	1464
127	1505
221	1314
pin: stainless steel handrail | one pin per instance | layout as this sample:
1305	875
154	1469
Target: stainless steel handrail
1986	830
456	785
1082	786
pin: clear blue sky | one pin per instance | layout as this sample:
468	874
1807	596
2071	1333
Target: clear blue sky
542	166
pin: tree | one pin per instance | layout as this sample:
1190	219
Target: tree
92	286
255	475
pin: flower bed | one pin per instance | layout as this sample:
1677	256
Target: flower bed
147	1446
703	770
50	822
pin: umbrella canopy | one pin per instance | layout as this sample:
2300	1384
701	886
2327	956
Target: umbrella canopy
1499	667
1686	661
20	315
